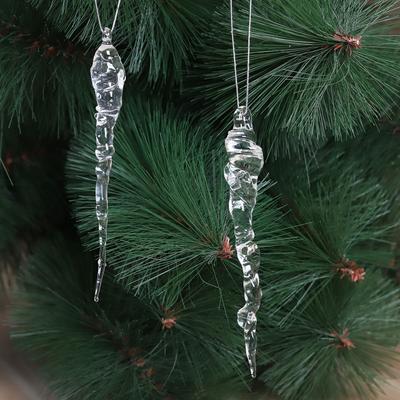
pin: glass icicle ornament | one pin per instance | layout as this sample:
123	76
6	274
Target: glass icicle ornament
108	78
245	163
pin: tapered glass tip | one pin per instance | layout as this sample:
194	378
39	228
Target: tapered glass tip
100	274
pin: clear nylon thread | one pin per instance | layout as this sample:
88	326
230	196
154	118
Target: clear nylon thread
115	16
248	55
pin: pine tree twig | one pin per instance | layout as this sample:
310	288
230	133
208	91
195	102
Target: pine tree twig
314	74
42	45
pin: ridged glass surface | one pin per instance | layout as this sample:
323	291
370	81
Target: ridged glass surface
108	77
245	163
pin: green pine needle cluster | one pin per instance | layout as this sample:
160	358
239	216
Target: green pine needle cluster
120	349
149	30
168	197
37	65
338	346
306	85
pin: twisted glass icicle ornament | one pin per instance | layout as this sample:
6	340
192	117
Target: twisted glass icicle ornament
245	163
108	78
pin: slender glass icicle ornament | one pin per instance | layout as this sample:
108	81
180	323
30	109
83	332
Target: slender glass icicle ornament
245	163
108	78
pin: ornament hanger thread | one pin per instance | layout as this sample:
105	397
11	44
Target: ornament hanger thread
115	16
248	56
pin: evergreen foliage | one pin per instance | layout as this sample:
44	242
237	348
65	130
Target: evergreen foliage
121	349
307	84
326	220
37	64
168	219
338	345
159	36
31	187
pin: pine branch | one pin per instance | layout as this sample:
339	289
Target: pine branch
37	65
340	224
164	235
318	68
343	344
168	221
122	349
158	36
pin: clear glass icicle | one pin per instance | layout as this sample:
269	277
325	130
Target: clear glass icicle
245	163
108	78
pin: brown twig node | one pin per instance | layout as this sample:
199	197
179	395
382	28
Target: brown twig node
347	42
139	362
351	270
343	340
169	319
226	251
168	323
148	373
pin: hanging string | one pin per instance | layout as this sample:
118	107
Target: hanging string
115	16
248	56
